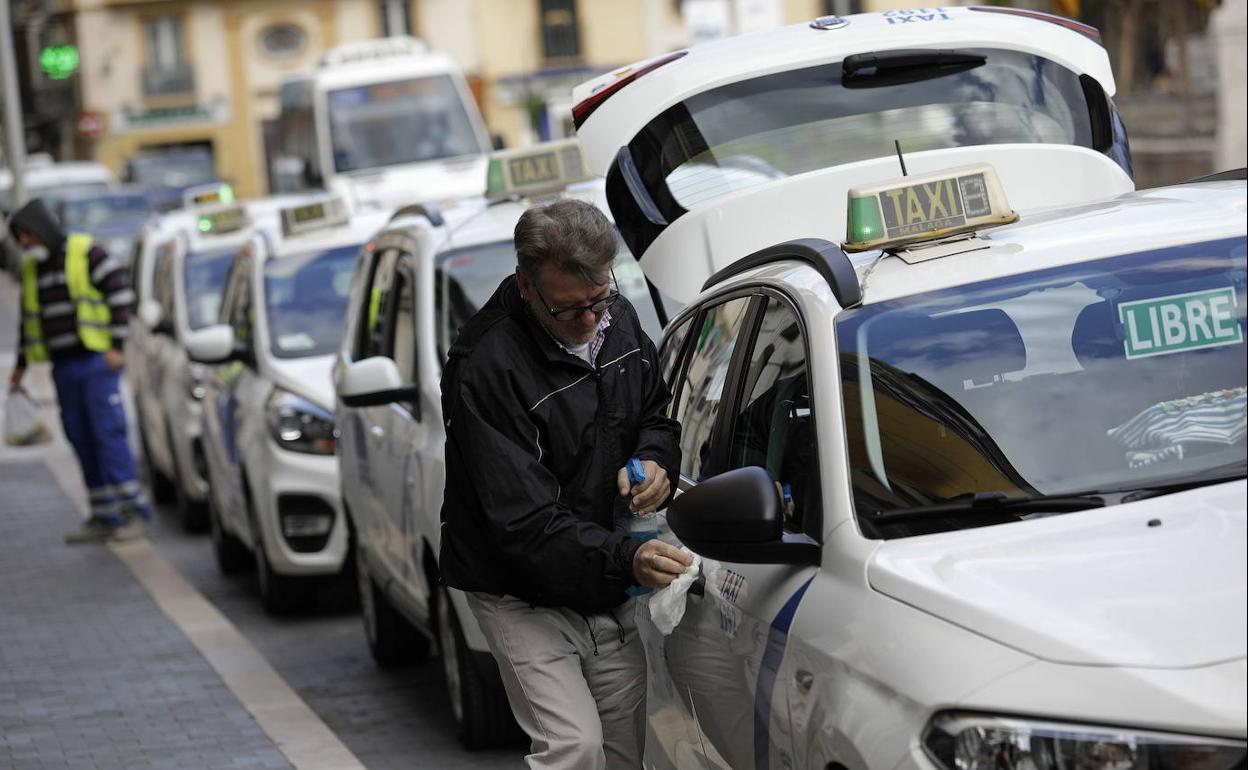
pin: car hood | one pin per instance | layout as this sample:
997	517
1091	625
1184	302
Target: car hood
310	378
1158	583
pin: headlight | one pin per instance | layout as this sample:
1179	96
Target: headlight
300	425
977	742
194	380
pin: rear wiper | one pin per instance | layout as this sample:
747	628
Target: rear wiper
884	68
1229	472
981	503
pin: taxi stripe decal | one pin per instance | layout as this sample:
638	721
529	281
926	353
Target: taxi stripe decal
777	640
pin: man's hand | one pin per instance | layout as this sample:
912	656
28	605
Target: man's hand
115	359
656	564
649	494
15	378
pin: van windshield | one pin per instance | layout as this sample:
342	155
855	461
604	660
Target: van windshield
748	133
1111	375
401	121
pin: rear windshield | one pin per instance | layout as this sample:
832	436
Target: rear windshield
204	281
748	133
1121	373
305	299
466	278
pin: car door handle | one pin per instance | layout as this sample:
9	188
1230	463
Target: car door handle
804	680
377	432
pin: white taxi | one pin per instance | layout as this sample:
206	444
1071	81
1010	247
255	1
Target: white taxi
969	492
268	431
429	270
187	277
753	132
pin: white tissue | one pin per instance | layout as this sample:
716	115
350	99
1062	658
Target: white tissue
667	605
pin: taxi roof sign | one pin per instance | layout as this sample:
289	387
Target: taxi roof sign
925	207
543	168
316	215
227	219
204	194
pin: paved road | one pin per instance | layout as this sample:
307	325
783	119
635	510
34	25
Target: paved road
388	719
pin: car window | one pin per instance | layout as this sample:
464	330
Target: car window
372	329
240	310
669	355
774	426
400	342
162	281
203	279
1118	373
702	386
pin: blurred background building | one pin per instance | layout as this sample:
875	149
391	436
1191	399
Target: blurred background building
191	87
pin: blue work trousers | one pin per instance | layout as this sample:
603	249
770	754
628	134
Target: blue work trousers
94	417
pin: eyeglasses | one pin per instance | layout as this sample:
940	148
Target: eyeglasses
568	313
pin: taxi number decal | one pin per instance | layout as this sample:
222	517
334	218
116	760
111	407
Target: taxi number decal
916	14
922	208
533	169
309	213
1173	324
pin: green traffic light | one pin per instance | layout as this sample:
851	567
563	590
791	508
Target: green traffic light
59	61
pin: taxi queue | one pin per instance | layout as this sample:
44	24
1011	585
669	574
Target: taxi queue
985	400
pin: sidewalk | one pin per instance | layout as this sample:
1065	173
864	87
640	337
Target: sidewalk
93	673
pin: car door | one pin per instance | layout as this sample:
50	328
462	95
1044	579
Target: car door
157	346
743	399
214	404
228	406
377	523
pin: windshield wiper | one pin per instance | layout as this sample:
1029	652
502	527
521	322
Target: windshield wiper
981	503
1228	472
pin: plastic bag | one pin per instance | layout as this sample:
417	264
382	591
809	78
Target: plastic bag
22	424
667	605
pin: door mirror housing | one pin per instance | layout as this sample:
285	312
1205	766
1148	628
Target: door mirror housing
375	381
213	345
151	314
737	516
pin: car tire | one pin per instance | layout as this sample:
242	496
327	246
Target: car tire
479	704
279	594
163	489
233	557
392	640
192	516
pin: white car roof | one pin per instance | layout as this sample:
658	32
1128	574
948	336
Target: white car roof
359	229
1139	221
719	63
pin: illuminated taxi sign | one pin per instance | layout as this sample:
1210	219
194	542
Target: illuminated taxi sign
544	168
222	220
203	195
330	212
918	208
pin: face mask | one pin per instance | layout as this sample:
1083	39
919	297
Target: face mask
38	253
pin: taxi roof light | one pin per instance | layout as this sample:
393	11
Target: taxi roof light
306	217
925	207
219	221
206	194
544	168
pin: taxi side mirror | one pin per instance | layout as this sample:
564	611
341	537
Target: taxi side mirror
737	516
153	317
213	345
375	381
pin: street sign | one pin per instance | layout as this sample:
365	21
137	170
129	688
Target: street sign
90	125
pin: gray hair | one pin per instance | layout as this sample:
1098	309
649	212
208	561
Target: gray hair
571	236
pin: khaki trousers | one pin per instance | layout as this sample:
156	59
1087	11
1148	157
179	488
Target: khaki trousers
576	683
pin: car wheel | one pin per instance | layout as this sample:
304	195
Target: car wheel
191	515
280	594
478	700
391	638
163	490
232	556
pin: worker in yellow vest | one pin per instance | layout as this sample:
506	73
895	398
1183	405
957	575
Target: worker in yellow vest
76	302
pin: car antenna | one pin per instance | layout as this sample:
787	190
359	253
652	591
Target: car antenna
900	159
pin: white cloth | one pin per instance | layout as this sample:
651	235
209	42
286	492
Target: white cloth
667	605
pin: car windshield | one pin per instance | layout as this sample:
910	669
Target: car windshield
402	121
305	298
465	278
106	210
1115	374
53	194
204	276
748	133
174	169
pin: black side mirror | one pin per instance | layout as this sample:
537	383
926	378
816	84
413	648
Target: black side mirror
737	516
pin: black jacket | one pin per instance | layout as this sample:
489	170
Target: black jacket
534	439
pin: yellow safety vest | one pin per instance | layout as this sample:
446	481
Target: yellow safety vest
93	312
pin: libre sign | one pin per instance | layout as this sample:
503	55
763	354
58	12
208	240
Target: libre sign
1198	319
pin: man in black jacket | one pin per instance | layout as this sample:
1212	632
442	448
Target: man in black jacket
547	393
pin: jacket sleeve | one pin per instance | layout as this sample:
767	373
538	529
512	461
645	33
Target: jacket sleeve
573	563
659	435
108	275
